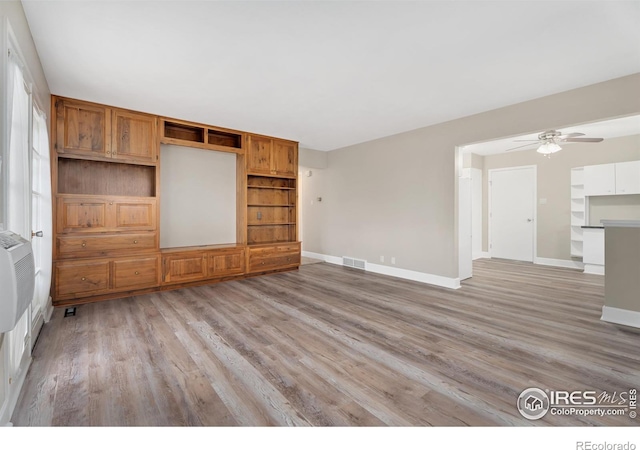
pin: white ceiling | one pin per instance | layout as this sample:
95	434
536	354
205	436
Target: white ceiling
329	73
625	126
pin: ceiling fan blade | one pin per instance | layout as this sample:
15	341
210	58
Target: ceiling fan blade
515	148
526	140
570	135
583	140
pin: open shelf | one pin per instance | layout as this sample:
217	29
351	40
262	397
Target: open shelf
224	139
89	177
271	209
183	132
268	182
263	234
200	136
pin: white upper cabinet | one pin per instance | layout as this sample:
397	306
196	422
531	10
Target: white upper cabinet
600	180
628	177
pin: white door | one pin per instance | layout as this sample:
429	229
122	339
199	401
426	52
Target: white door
41	223
512	213
464	228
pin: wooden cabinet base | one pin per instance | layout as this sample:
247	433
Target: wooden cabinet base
166	287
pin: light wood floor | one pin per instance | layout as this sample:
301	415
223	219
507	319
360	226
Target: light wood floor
328	345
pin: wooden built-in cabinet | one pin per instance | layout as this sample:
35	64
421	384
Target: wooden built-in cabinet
90	130
105	173
270	257
184	265
271	209
82	278
269	156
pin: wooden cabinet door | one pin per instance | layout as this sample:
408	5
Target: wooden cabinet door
185	267
225	262
284	158
134	137
82	129
259	155
85	214
88	214
135	215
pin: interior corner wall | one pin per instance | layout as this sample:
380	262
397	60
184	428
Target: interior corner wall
312	159
396	196
311	203
554	186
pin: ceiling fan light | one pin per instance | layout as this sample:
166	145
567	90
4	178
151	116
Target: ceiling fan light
548	148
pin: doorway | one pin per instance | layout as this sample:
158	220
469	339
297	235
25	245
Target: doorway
512	213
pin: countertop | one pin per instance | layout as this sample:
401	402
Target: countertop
621	223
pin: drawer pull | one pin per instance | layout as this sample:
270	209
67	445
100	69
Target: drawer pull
84	279
84	244
135	241
137	273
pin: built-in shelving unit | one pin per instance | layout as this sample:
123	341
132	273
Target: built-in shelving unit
578	211
271	209
106	180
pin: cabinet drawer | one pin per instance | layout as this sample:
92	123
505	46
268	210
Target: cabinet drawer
274	257
289	247
78	246
136	273
81	279
259	263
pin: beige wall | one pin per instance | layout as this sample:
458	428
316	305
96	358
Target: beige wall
312	214
396	196
198	201
554	186
312	158
614	207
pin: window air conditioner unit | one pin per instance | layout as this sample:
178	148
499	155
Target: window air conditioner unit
17	278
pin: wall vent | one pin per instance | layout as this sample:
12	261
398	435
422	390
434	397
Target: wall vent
355	263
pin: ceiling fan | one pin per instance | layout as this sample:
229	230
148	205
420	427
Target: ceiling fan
550	141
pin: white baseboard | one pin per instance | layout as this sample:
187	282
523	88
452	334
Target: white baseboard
621	316
48	310
437	280
14	392
325	258
569	263
594	269
481	255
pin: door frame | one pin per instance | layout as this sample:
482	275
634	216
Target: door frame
535	206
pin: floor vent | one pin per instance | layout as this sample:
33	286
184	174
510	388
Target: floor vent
355	263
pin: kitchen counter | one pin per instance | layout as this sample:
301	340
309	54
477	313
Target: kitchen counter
622	278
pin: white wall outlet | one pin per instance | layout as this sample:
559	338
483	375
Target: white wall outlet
393	260
382	259
543	201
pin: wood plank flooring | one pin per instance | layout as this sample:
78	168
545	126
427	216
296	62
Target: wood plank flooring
332	346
